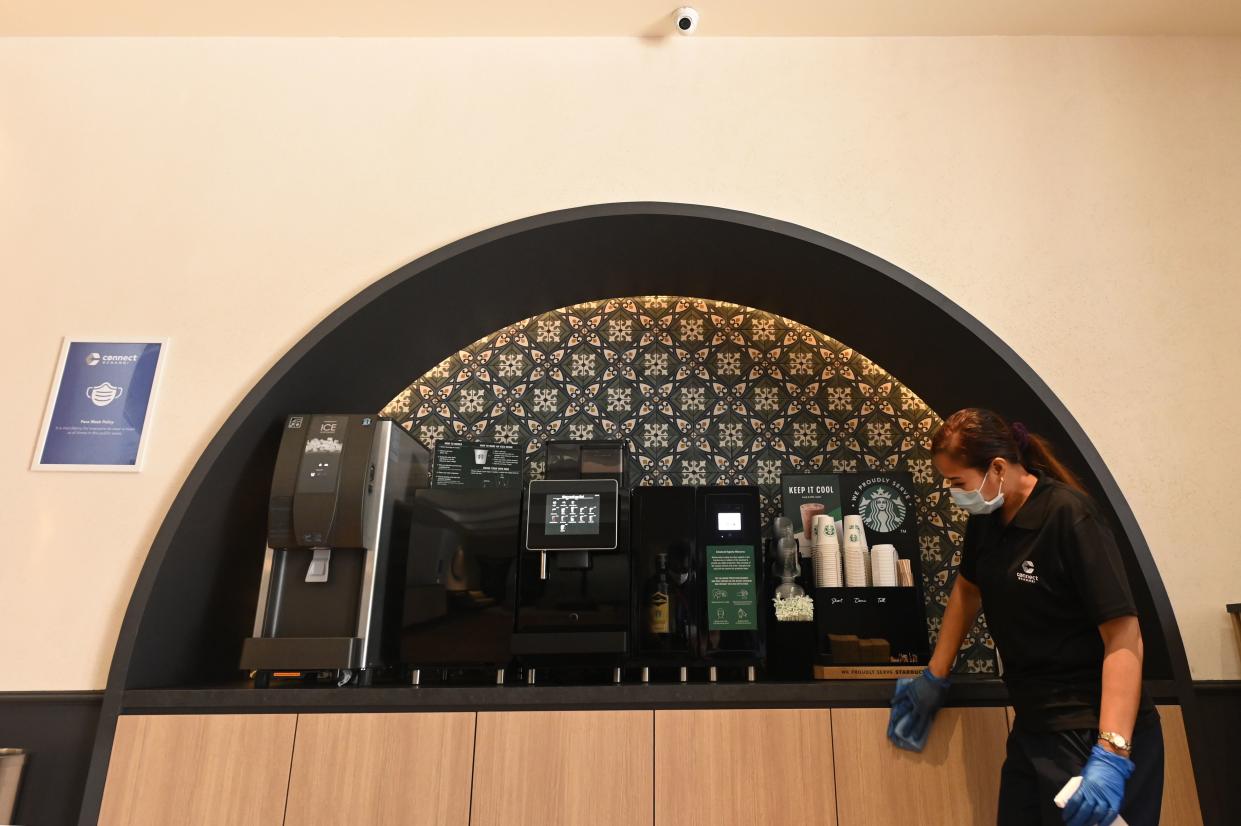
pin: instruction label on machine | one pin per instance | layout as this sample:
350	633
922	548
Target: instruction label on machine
732	604
468	465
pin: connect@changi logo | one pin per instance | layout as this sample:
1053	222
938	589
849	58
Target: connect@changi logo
102	395
92	359
1026	574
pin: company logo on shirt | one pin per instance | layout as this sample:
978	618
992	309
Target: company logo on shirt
102	395
1026	574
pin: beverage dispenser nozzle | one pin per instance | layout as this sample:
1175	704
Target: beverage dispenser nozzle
320	562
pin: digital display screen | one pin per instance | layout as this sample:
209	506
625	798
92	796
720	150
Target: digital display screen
571	513
728	521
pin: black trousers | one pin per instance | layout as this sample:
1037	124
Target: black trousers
1040	763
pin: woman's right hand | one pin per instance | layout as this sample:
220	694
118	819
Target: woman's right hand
914	705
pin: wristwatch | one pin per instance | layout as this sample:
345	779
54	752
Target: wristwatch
1117	742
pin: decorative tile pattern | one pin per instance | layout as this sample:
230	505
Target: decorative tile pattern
706	392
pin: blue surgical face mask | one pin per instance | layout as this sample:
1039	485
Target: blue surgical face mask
972	501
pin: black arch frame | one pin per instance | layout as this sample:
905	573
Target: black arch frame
194	597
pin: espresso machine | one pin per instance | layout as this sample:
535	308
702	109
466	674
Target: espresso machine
461	582
338	527
573	593
698	574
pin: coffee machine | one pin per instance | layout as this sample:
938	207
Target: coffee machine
461	581
338	528
574	571
699	579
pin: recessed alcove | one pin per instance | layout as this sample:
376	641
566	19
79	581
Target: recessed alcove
705	392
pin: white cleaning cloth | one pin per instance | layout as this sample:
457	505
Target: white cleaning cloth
1070	788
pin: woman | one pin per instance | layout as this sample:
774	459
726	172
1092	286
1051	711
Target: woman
1042	563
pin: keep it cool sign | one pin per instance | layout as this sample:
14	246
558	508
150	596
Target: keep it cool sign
99	411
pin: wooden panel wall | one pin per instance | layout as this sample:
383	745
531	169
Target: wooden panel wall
199	770
729	767
744	768
1180	794
956	779
541	768
407	769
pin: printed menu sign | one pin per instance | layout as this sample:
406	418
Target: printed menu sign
99	413
805	495
731	601
468	465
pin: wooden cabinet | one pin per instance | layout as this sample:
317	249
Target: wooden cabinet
956	779
1180	794
726	767
408	769
744	767
213	770
563	768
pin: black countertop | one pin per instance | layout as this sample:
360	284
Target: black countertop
243	697
825	693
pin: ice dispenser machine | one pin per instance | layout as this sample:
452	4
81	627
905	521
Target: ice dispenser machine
338	529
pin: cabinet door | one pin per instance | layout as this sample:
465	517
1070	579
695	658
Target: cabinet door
1180	794
563	768
212	769
744	767
408	769
956	779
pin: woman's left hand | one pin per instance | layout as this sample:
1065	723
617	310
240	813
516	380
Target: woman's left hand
1097	800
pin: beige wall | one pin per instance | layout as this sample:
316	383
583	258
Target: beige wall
1080	196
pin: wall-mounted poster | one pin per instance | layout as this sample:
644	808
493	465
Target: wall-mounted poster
99	412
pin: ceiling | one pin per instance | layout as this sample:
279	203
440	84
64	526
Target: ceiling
626	18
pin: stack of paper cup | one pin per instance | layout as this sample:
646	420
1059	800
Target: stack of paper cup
826	553
856	569
883	566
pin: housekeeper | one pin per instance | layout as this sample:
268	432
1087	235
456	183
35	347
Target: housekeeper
1042	563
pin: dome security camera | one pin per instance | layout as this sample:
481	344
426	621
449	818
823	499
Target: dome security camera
686	20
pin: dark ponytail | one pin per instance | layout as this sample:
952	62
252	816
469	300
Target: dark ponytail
975	436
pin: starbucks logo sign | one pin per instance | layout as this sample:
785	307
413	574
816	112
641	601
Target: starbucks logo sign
882	508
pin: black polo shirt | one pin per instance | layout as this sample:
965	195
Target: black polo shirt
1049	579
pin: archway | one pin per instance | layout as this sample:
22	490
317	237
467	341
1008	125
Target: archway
193	601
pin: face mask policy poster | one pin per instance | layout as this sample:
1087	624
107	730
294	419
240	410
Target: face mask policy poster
99	412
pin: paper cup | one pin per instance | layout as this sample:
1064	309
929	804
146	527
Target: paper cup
822	526
855	534
827	566
855	568
883	566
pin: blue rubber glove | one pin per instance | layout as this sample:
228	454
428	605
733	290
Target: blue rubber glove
1097	800
914	705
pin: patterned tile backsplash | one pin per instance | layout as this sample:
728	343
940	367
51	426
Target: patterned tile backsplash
706	393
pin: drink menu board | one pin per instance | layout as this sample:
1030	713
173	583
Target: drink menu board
806	495
572	513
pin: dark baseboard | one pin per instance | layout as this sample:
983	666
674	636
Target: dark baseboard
1219	708
57	729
